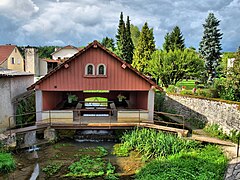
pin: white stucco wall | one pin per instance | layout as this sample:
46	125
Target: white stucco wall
151	96
11	87
64	53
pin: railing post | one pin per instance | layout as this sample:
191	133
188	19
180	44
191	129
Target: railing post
109	119
50	120
238	146
138	117
9	125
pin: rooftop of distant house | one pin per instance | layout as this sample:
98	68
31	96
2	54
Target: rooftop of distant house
66	47
11	73
5	51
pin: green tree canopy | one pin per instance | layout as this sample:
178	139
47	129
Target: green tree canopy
135	34
174	40
171	67
46	51
210	45
145	48
108	43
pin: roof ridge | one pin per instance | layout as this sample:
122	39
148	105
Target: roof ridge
96	44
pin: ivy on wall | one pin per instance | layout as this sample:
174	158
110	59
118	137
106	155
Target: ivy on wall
26	111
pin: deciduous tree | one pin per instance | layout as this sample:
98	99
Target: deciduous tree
171	67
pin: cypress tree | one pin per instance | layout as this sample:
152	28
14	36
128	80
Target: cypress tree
108	43
120	37
145	48
129	44
174	40
210	45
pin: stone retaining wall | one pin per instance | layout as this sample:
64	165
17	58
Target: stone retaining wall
211	111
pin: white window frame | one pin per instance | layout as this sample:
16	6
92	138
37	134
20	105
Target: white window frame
86	69
105	69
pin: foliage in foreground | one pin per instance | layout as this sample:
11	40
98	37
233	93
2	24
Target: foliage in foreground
152	144
52	168
205	163
215	130
89	167
7	162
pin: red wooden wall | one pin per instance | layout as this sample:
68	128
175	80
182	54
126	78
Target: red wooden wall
73	78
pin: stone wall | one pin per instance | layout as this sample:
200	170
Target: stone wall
11	87
227	115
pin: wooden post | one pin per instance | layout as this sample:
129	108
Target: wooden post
238	146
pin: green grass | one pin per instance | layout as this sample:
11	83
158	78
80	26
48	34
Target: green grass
215	130
152	144
206	163
7	162
190	84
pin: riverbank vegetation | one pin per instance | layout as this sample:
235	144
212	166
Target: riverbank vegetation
7	162
170	157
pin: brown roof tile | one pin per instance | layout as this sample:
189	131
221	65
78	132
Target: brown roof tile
95	43
5	51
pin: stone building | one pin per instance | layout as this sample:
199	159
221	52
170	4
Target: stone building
12	84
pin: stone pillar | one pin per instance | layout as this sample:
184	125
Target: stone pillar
50	134
38	97
151	95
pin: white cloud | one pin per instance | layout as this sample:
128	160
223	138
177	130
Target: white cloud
73	21
18	9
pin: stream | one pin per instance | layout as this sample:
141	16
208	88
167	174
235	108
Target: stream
29	164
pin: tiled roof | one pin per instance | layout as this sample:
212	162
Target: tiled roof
10	73
97	44
5	51
66	47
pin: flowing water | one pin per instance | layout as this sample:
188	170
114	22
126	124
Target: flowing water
30	164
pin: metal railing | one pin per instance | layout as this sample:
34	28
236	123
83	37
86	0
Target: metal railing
171	123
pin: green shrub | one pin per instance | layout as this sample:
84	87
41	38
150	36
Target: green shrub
159	100
186	92
121	150
215	131
172	89
7	162
205	163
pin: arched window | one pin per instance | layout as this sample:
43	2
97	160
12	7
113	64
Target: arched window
101	70
89	69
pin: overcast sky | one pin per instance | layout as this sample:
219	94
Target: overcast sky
78	22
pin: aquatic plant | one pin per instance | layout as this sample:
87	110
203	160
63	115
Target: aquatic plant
7	162
52	168
93	151
152	143
89	167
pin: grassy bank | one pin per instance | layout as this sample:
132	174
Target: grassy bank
169	157
7	162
